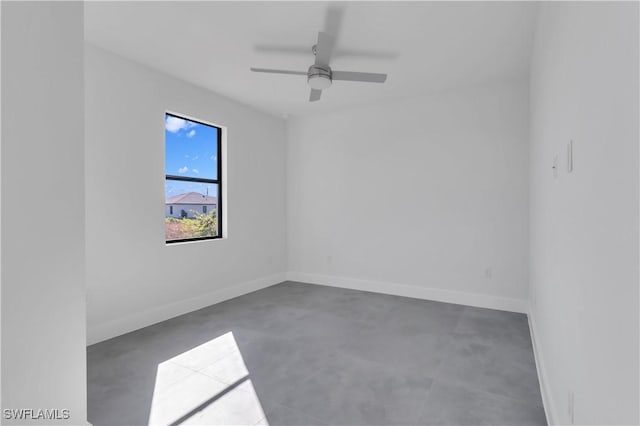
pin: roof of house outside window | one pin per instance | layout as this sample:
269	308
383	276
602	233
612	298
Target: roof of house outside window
192	198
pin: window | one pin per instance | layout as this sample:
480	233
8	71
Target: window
193	167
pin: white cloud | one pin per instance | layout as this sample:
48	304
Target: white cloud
213	157
184	169
196	171
196	157
186	156
175	124
191	133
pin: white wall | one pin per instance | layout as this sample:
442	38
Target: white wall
416	197
43	293
1	405
584	224
134	279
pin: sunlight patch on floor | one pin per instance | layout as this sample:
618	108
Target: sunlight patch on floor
208	384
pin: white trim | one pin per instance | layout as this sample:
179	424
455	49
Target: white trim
117	327
416	292
547	402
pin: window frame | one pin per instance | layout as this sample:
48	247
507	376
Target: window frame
217	181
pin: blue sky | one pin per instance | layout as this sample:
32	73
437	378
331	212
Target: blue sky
191	150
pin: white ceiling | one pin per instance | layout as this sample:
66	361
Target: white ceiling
422	46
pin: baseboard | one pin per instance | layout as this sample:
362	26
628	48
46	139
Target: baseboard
142	319
416	292
549	409
126	324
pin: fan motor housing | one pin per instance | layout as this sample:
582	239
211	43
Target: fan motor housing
319	77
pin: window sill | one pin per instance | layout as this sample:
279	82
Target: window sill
193	240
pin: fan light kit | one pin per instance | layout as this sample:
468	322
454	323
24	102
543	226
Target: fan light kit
320	75
319	78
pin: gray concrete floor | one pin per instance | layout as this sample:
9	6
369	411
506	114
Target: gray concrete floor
298	354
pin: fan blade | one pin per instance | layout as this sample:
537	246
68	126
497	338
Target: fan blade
333	20
368	77
324	47
278	71
315	95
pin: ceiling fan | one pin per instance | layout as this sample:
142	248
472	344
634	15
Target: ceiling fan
320	75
